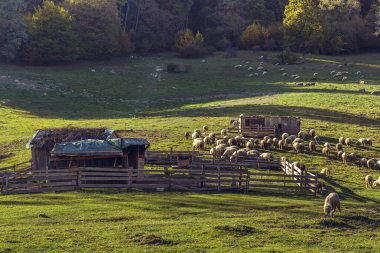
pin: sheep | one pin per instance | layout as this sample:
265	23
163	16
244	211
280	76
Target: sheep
371	163
300	166
332	72
238	153
264	144
284	159
235	124
284	136
284	74
266	138
223	132
361	142
300	140
368	181
249	145
212	136
229	152
353	157
312	146
205	128
315	74
376	184
187	135
319	187
195	135
312	132
288	141
292	137
325	172
232	142
369	141
275	142
266	156
358	73
339	147
220	149
344	78
281	144
339	155
326	151
342	140
219	142
264	73
348	142
345	157
363	162
253	154
298	147
208	141
327	145
198	131
317	139
332	203
198	144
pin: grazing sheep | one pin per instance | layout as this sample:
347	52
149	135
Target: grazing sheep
253	154
232	142
208	141
229	152
369	141
317	138
275	142
300	166
284	136
339	155
205	128
300	140
326	151
368	181
325	172
219	142
376	184
339	147
264	145
348	141
332	203
371	163
238	153
353	157
264	73
212	136
235	124
345	157
288	141
301	135
198	144
223	132
358	73
249	145
220	149
198	131
281	144
344	78
363	162
187	135
342	140
284	74
298	147
327	145
312	146
292	137
312	132
195	135
266	138
266	156
361	142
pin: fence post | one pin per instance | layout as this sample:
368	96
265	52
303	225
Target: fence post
240	176
167	176
6	183
218	178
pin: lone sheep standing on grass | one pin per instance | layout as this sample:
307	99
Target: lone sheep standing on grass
332	203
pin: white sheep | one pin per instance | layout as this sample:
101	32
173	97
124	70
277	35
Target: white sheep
264	73
205	128
195	135
260	68
325	172
376	183
344	78
368	181
315	74
284	74
332	203
198	144
223	132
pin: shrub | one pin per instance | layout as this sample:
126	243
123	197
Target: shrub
253	35
223	44
287	57
184	39
126	45
189	45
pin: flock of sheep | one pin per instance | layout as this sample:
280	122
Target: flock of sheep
232	148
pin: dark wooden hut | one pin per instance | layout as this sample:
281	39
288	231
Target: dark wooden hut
74	147
265	125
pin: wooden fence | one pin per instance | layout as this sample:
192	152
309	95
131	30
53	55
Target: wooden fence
179	158
306	180
258	131
197	178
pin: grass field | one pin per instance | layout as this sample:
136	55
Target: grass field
129	93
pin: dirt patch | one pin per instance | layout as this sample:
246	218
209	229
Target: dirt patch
330	223
237	230
150	240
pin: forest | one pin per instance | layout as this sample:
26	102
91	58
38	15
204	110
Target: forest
59	31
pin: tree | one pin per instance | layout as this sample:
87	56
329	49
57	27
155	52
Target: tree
12	28
303	24
97	25
253	35
51	38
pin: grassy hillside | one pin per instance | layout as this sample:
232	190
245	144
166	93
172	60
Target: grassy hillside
130	93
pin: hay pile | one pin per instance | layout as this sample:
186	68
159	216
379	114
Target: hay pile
48	138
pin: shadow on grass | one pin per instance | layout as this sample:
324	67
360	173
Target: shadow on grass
346	193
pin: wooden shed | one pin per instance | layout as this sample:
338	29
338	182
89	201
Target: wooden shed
66	148
268	125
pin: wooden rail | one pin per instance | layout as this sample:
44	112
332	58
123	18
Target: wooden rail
197	178
306	180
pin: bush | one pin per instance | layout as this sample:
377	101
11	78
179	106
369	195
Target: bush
177	68
253	35
223	44
184	39
190	46
231	52
287	57
126	45
193	51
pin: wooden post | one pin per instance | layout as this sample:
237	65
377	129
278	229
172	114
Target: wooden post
129	177
6	183
167	176
218	178
240	176
171	154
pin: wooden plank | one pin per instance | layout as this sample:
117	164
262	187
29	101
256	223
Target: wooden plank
104	169
279	186
112	174
104	178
